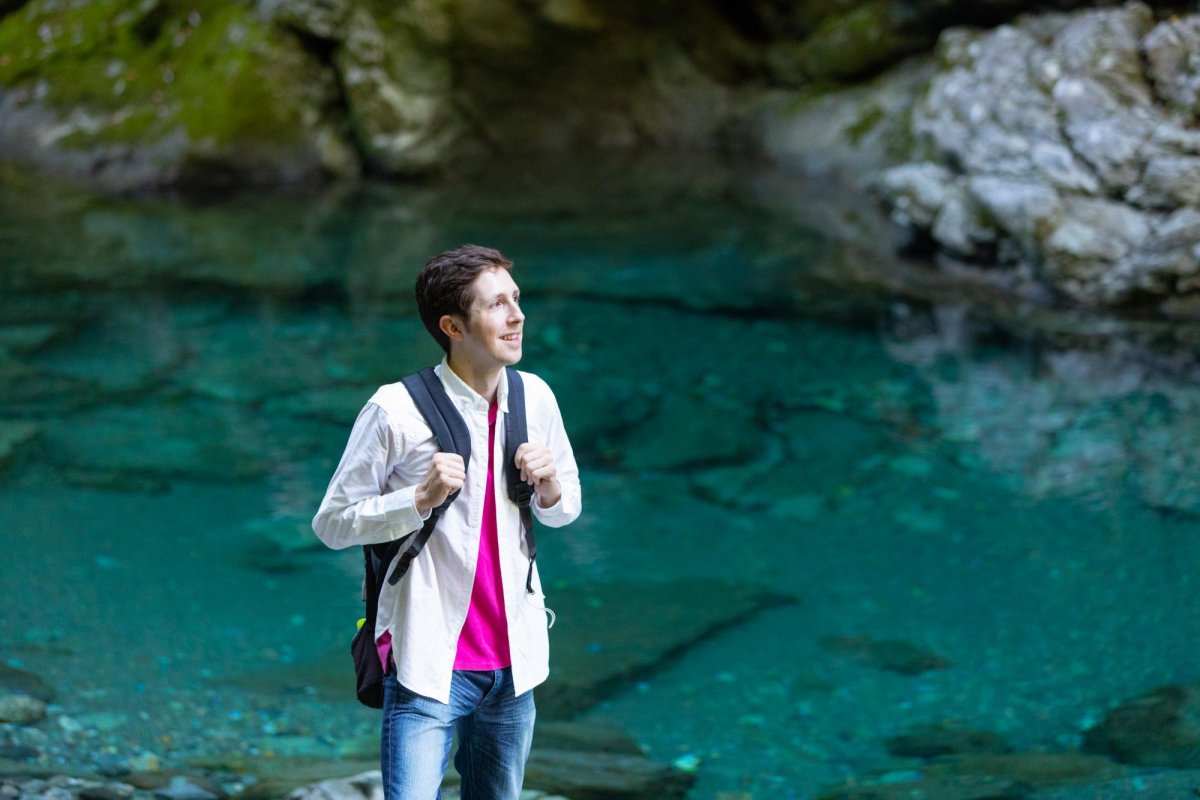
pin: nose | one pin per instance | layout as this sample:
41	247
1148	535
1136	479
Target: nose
515	314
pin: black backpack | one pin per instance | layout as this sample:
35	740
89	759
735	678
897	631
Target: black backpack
452	437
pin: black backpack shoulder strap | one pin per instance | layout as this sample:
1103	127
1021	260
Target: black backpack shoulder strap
516	433
452	437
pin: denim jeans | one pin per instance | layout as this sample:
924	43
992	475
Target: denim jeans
495	730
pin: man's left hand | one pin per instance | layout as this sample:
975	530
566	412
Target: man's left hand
538	470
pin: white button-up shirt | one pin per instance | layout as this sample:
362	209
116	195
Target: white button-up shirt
371	500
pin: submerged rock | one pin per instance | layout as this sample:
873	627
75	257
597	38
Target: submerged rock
1155	785
700	432
142	448
18	681
29	390
986	777
964	788
605	776
607	636
588	737
1158	729
15	436
893	655
931	741
1063	422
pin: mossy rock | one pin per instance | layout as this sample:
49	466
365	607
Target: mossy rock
208	88
847	46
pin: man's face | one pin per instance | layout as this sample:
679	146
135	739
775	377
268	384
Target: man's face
494	323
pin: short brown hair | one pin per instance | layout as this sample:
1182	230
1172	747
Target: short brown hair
444	285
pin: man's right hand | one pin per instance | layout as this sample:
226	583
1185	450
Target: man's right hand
446	475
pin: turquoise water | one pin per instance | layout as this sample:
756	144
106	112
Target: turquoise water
179	378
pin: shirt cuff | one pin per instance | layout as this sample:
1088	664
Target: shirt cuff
424	516
537	502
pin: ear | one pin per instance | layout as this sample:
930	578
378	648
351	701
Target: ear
452	327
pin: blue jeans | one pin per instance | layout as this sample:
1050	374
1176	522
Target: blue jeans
495	730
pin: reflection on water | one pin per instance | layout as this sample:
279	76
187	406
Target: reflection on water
1016	520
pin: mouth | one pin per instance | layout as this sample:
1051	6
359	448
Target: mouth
511	338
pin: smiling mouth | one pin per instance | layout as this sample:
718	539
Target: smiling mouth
511	337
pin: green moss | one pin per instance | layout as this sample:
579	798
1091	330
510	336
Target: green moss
854	44
209	66
868	118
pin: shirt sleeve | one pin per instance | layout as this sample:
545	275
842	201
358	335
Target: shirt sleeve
358	509
567	509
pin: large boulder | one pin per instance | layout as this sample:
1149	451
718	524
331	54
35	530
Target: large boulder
1062	144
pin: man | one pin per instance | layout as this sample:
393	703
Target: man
462	639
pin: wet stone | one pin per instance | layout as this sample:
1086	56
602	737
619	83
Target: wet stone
893	655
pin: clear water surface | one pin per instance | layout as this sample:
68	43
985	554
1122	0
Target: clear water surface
179	378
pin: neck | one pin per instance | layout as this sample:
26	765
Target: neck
484	381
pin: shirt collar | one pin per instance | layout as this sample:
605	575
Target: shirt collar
463	395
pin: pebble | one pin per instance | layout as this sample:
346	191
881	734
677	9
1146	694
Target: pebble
100	793
145	762
21	709
180	788
687	763
103	721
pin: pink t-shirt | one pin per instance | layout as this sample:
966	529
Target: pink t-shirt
483	641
